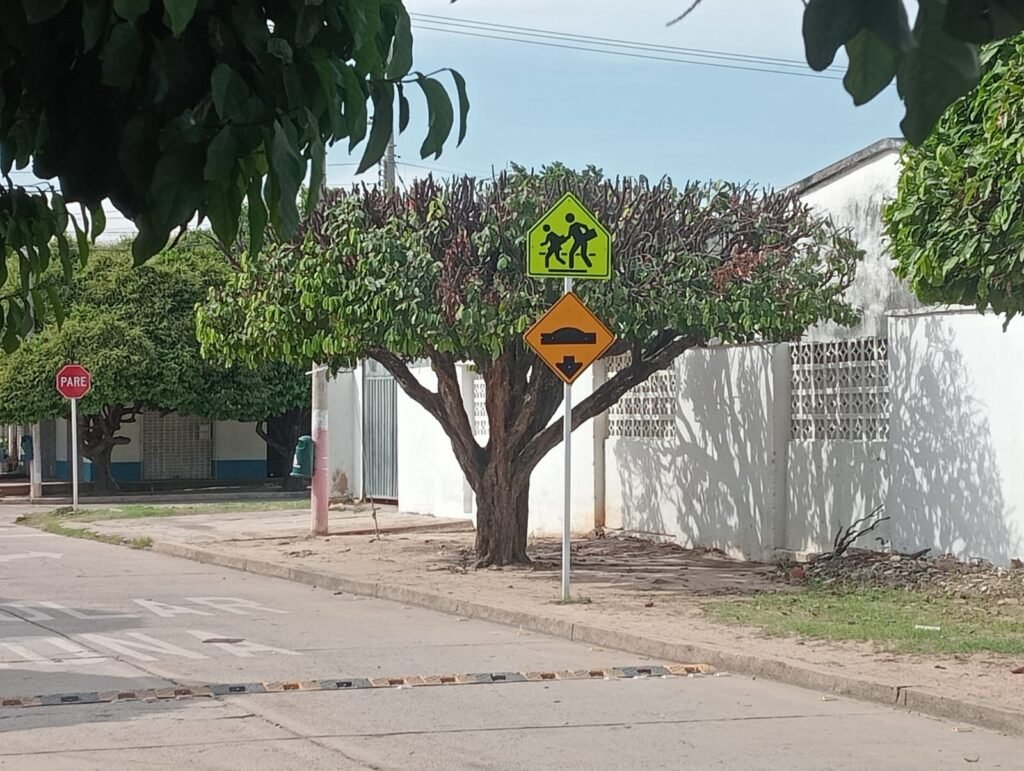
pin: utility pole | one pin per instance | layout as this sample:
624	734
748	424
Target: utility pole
388	170
35	470
319	499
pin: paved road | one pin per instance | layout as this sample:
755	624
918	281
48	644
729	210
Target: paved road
78	616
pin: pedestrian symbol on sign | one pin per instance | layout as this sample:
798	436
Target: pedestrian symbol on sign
569	242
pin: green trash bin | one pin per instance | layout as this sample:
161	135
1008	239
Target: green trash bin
302	463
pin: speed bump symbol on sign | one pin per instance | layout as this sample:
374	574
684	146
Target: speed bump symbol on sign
569	338
569	242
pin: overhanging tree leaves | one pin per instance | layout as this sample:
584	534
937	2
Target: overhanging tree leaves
177	109
134	328
934	61
956	226
438	273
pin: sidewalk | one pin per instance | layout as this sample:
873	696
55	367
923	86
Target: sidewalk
644	598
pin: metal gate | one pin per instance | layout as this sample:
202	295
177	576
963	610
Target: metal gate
176	446
380	432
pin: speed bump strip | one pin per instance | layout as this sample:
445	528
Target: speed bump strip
352	684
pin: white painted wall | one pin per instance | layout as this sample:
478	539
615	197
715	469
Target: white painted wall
854	200
829	485
429	478
131	451
717	480
234	440
344	399
957	435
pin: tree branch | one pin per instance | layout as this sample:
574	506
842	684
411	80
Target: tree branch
656	359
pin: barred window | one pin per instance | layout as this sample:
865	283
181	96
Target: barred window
646	411
840	390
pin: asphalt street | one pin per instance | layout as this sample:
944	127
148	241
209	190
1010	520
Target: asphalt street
78	617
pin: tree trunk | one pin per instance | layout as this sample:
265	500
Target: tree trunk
281	433
102	478
503	508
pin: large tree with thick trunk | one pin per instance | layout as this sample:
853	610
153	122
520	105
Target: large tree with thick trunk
437	273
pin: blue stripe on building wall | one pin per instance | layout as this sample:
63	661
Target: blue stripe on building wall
240	469
121	470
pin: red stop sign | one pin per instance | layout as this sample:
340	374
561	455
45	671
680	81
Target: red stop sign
73	381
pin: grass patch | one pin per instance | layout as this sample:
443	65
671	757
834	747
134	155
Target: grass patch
890	618
145	510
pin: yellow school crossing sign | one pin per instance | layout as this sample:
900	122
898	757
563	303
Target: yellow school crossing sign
569	242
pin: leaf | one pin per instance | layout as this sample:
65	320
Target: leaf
37	11
440	116
318	152
278	48
150	239
257	216
460	88
99	221
873	65
308	23
403	109
383	95
174	193
933	75
179	13
888	20
828	25
221	155
121	55
130	10
400	58
55	303
230	92
95	15
289	169
223	207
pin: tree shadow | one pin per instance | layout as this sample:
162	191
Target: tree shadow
946	487
708	481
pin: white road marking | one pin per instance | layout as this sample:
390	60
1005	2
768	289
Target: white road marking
31	535
138	643
166	610
234	605
243	648
30	555
79	614
26	613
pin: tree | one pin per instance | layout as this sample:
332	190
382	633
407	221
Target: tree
177	109
956	226
437	273
934	62
134	328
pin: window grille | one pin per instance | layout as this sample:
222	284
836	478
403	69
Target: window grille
481	426
647	411
840	390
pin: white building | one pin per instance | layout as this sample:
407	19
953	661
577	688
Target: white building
756	449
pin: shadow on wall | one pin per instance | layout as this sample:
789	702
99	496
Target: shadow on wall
830	485
708	481
945	486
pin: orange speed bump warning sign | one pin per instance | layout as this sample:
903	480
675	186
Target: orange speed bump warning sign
569	337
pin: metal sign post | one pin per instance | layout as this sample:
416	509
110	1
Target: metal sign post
568	242
566	514
73	382
74	454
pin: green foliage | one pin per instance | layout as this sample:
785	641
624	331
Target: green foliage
934	63
956	226
441	269
177	109
134	328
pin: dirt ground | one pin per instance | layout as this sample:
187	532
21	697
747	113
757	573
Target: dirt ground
651	589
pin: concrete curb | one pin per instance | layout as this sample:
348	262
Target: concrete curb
908	697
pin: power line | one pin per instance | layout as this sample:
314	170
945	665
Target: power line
611	50
613	42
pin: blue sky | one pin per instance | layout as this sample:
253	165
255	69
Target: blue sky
533	104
